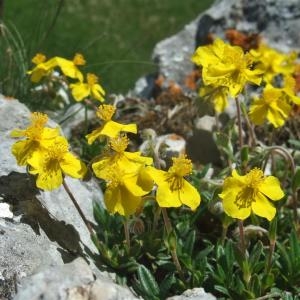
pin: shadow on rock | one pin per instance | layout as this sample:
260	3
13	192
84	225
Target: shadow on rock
20	192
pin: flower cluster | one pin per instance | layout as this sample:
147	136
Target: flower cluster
46	153
226	70
69	68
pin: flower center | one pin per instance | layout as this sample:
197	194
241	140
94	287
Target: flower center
91	79
113	176
119	143
105	112
57	150
180	168
38	121
78	60
39	58
248	193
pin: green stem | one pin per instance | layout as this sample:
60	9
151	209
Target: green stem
168	226
126	231
288	157
242	238
239	120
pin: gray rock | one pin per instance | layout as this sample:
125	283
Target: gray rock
45	228
278	22
194	294
72	281
55	282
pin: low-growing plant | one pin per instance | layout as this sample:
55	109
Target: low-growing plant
167	227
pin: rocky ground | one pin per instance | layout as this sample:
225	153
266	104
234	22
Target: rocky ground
45	249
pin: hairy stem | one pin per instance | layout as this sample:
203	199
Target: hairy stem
84	219
173	251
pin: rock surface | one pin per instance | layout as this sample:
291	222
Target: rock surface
72	281
277	21
194	294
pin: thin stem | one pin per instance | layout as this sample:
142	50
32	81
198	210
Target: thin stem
126	231
239	120
156	218
271	252
288	157
224	233
84	219
173	251
250	127
242	238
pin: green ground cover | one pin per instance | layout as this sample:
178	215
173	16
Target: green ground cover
116	36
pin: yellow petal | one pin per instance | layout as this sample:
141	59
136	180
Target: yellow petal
120	200
49	180
68	68
132	187
189	195
112	129
72	166
144	180
166	198
271	188
98	92
80	91
258	112
95	134
263	208
22	150
232	210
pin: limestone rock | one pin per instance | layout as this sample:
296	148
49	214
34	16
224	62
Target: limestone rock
194	294
72	281
44	228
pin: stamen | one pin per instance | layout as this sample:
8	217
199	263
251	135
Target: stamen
181	166
119	143
79	60
39	58
91	79
105	112
249	192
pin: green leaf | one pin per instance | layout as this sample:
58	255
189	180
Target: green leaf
190	242
147	282
255	255
222	290
296	180
255	285
166	284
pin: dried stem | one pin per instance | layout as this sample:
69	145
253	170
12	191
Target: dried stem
84	219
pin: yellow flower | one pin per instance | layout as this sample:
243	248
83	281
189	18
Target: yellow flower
242	195
218	95
82	90
273	105
124	189
274	62
131	161
36	137
289	87
69	67
172	189
41	69
226	65
52	163
109	128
